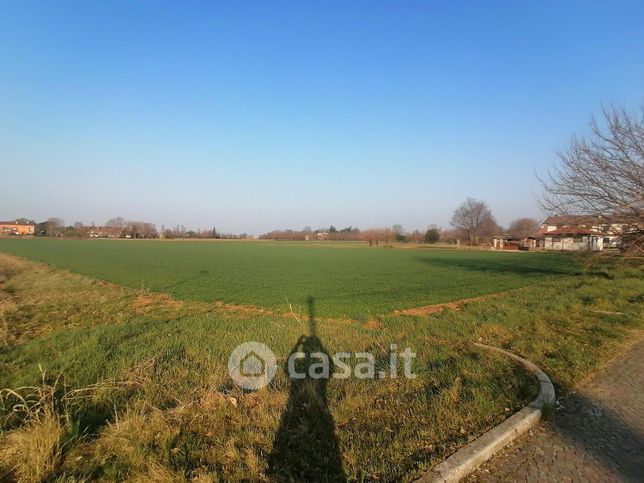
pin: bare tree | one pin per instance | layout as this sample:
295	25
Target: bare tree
53	226
474	218
602	174
524	227
117	222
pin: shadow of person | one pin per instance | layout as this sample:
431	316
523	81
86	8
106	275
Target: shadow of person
305	446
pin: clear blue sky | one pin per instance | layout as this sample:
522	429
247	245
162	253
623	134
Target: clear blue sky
257	115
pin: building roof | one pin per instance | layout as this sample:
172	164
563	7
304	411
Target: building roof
510	237
572	231
16	223
559	220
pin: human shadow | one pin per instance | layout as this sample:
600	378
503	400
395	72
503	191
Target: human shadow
306	447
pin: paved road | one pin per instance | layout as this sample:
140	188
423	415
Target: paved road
597	435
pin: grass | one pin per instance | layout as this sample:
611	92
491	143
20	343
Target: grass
140	390
348	280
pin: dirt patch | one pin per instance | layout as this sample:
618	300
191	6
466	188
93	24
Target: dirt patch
147	301
437	308
455	305
242	309
372	324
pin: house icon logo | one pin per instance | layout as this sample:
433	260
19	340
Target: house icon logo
252	365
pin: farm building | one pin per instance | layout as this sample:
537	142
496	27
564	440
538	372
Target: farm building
509	242
573	239
17	227
593	233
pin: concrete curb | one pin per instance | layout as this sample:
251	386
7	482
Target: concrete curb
468	458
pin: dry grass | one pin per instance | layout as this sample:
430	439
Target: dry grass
32	452
148	301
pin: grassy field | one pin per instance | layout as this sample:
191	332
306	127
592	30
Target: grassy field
122	383
346	280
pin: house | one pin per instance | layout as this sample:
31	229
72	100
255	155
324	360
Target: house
592	233
104	232
17	227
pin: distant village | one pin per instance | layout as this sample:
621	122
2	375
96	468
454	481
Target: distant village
114	228
555	233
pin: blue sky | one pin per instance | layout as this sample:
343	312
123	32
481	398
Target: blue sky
259	115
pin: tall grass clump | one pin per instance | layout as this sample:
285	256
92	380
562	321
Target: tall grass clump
36	428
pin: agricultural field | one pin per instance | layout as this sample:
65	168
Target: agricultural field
347	280
113	354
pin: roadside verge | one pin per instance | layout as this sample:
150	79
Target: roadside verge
468	458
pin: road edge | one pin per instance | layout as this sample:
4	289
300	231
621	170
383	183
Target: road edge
470	457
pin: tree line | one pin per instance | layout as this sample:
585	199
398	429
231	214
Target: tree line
119	227
472	223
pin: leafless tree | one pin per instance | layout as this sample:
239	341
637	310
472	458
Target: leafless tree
474	218
117	222
398	229
416	236
54	226
524	227
602	174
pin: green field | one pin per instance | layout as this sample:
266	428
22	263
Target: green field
346	280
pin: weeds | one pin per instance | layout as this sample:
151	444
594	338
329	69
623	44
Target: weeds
33	450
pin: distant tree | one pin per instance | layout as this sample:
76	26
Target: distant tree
117	222
489	228
78	230
374	236
416	236
54	226
523	227
474	218
332	229
214	232
398	232
432	235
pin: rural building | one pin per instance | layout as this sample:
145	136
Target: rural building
104	232
509	242
572	233
573	239
17	227
593	233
